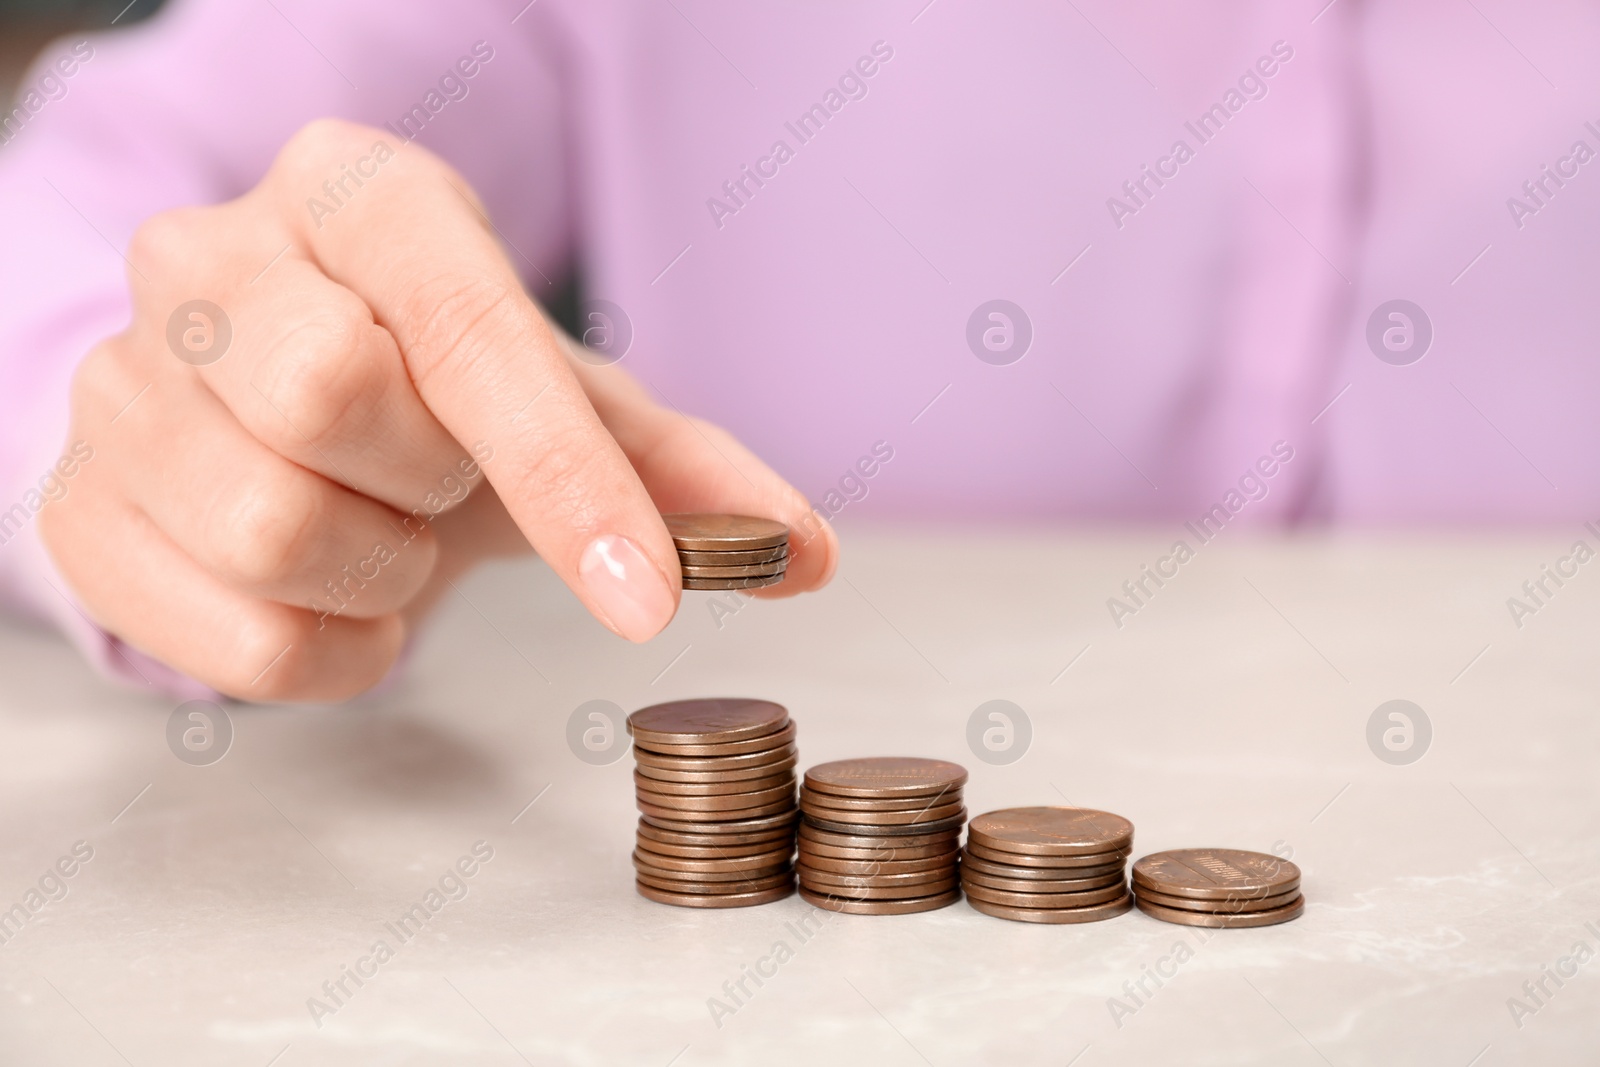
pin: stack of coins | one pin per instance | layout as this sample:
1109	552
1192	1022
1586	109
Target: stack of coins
1048	865
1221	887
881	836
715	782
729	551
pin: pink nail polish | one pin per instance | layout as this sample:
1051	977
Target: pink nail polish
627	587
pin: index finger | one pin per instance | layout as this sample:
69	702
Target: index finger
394	224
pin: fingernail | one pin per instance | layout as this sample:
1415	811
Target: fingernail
629	590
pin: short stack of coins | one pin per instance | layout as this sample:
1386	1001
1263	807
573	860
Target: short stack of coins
881	836
715	782
1218	887
1048	865
729	551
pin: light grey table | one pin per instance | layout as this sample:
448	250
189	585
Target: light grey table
1231	710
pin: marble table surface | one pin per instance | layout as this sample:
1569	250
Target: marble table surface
1454	900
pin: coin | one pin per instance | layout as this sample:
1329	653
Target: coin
781	739
1039	885
1093	913
886	776
1010	870
715	787
754	862
886	853
732	557
719	900
731	583
1282	914
1081	899
814	877
716	533
701	838
1229	907
706	721
669	874
1215	873
1098	859
825	801
852	839
904	906
739	570
782	814
711	851
746	764
812	862
697	885
894	892
725	802
743	774
955	822
885	818
1051	831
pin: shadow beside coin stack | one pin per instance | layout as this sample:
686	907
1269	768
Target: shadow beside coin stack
714	780
881	836
729	551
1048	864
1218	887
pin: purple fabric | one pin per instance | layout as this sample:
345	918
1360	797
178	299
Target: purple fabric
1182	325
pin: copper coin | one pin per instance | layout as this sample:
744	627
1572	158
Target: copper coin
886	853
721	750
714	720
1017	859
1082	899
669	874
656	765
838	883
719	533
1093	913
754	862
719	900
783	793
1220	907
735	570
712	788
1040	885
729	838
731	583
732	557
955	822
885	818
1011	870
833	803
1216	873
1051	831
740	774
900	892
710	851
709	821
945	861
942	839
1283	914
880	907
693	885
886	776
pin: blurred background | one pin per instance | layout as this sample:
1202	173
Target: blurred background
26	25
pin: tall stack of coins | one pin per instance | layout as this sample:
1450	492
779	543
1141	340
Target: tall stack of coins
729	551
881	836
715	782
1222	887
1048	865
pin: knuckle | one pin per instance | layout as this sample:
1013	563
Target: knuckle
323	381
562	478
323	141
164	244
268	534
452	322
259	640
